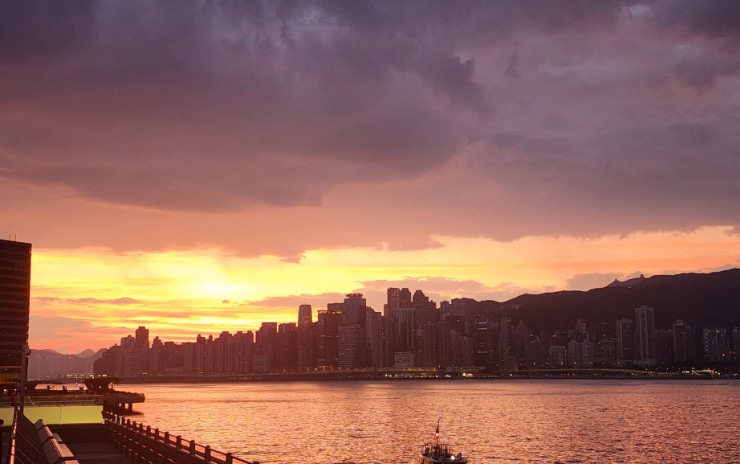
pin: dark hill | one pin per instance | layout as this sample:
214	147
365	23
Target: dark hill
703	300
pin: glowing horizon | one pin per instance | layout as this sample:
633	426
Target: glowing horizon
180	294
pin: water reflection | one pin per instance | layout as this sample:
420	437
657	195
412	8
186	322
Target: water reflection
542	421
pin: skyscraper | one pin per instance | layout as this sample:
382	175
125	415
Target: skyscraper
683	342
625	340
142	338
391	334
15	292
305	315
354	305
645	335
394	302
405	330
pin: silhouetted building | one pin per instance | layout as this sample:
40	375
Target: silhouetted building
305	315
715	344
556	356
645	335
625	341
375	339
684	347
351	346
354	306
142	338
605	353
506	340
405	330
663	347
327	355
15	291
307	341
483	342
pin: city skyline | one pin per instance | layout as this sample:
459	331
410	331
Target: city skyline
410	320
215	165
415	333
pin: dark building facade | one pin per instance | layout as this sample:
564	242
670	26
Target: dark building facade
15	292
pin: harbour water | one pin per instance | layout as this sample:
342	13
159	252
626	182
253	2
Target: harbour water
491	421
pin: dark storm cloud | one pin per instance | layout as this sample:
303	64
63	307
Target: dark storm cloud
202	104
714	18
618	110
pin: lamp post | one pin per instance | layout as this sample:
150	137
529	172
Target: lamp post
24	373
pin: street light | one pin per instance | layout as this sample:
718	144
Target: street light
24	374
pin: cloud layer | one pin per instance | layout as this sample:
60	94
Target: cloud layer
514	118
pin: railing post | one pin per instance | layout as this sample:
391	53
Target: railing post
192	447
229	458
148	430
207	453
178	443
167	438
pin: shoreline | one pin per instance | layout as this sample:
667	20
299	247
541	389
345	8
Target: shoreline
347	376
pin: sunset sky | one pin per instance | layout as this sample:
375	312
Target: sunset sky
199	166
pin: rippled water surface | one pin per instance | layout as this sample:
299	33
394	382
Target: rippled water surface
490	421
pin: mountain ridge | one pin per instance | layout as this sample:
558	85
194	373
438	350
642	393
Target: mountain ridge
703	300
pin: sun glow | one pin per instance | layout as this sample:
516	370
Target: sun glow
96	296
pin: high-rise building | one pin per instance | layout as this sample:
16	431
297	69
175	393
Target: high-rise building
404	298
405	329
684	348
354	305
394	302
645	335
142	338
305	315
625	340
351	345
715	344
15	291
391	334
327	355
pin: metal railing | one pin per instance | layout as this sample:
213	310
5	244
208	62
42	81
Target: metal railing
13	438
153	446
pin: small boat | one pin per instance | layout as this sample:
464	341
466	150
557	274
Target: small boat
435	452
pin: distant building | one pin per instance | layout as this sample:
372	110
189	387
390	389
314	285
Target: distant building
645	335
404	359
327	346
663	347
15	291
351	346
305	315
390	315
716	344
556	356
405	329
142	338
684	348
605	352
625	341
354	309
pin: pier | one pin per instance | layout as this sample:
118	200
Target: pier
120	401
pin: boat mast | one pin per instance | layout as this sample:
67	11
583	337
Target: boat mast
436	435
